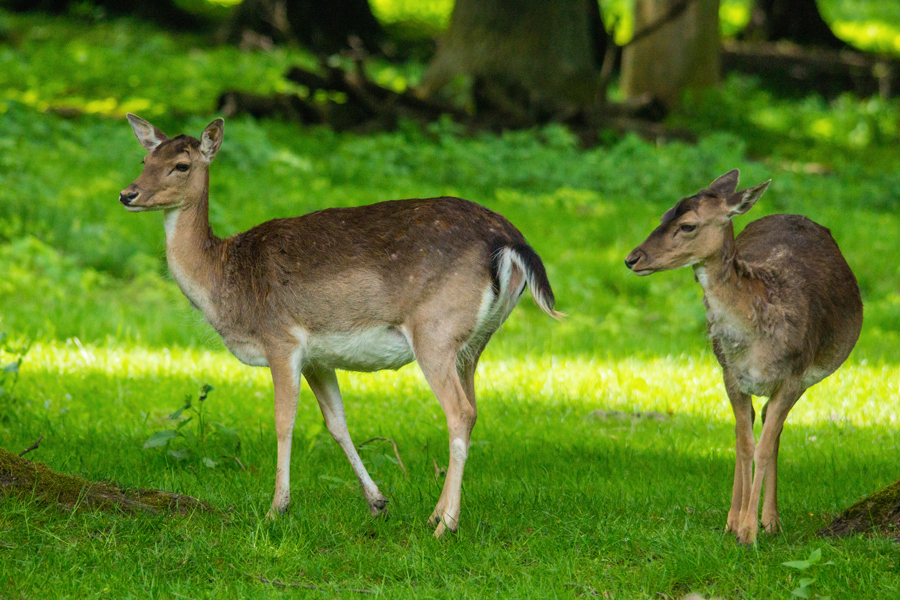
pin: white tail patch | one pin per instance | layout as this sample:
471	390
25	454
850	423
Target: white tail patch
508	259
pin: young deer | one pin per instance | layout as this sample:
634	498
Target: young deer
783	311
361	289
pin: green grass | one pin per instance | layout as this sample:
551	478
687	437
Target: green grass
555	503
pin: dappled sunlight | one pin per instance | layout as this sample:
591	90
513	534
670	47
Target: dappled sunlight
874	36
858	394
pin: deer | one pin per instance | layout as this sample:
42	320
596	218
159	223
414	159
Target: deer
360	289
783	312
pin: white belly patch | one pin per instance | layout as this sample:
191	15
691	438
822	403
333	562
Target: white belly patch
370	349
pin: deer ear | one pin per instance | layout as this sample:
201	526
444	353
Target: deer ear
149	136
212	139
726	184
740	202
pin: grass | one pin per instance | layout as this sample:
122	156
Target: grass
555	503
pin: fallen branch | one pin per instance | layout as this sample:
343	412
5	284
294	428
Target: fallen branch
34	446
396	451
299	584
827	72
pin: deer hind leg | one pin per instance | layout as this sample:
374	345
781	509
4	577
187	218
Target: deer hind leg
324	385
742	405
438	364
286	382
766	454
466	364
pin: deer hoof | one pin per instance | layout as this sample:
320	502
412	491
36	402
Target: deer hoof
378	507
276	512
442	528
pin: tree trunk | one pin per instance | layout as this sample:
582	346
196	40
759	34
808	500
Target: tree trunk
323	27
681	54
796	21
537	49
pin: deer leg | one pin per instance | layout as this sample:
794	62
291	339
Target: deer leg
765	455
324	385
439	367
770	521
465	368
742	406
286	382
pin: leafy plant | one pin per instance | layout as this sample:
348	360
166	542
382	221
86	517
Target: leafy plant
199	441
9	371
804	589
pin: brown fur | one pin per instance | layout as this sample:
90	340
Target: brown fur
783	312
362	288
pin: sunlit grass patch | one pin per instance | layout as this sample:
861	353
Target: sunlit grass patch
856	394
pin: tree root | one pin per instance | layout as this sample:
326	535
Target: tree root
28	479
879	513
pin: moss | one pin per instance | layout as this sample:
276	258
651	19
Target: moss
879	512
38	481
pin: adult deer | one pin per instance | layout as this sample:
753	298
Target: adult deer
361	289
783	311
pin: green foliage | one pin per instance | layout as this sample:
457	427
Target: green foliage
12	353
805	586
836	134
197	442
123	66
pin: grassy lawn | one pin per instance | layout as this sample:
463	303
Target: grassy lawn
558	500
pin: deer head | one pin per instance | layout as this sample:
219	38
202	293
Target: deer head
176	171
697	228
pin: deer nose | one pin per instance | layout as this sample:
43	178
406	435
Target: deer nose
127	198
633	258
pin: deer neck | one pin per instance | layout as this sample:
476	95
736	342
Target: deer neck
728	296
193	252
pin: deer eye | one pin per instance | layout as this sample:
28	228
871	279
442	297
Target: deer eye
182	167
687	228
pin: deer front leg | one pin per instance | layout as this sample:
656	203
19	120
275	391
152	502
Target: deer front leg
324	385
770	521
777	410
286	382
742	406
